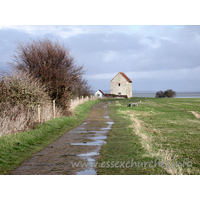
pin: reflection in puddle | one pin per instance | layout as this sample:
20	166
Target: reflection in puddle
90	159
96	143
94	153
102	137
108	128
92	132
90	171
88	156
110	123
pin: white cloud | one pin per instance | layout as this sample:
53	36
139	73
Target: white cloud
152	43
101	76
197	38
71	32
182	74
62	31
178	74
109	56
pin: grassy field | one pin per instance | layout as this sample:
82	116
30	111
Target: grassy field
160	136
15	148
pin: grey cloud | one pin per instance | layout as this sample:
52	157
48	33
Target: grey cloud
146	53
108	42
8	39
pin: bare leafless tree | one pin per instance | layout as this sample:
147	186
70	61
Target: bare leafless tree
81	88
52	64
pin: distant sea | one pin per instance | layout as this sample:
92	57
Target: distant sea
153	93
178	94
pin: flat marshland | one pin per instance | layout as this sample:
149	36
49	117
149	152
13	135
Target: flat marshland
160	136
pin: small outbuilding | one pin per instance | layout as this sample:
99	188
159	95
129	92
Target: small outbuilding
99	94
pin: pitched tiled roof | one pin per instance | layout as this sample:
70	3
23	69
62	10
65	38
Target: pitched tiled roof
101	92
124	75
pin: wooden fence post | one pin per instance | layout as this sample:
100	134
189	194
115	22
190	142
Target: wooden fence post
71	104
39	113
54	109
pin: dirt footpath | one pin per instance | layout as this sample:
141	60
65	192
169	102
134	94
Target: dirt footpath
81	144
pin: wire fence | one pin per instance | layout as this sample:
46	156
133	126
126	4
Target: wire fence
73	104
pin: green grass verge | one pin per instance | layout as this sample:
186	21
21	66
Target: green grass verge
169	131
15	148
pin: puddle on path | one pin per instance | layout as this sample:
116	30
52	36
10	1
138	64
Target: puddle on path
107	117
96	143
80	145
98	138
90	171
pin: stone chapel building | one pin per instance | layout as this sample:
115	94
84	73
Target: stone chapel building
121	85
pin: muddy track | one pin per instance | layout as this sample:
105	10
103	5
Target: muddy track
81	144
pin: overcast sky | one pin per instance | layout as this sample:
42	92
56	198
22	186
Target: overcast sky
153	57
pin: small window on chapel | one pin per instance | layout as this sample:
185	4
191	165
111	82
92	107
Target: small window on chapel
119	84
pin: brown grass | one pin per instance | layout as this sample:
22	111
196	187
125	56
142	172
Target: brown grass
78	101
147	143
195	114
18	118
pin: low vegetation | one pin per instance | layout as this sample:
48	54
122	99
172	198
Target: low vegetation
168	93
20	95
164	131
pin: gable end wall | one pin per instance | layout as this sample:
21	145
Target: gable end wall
125	87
